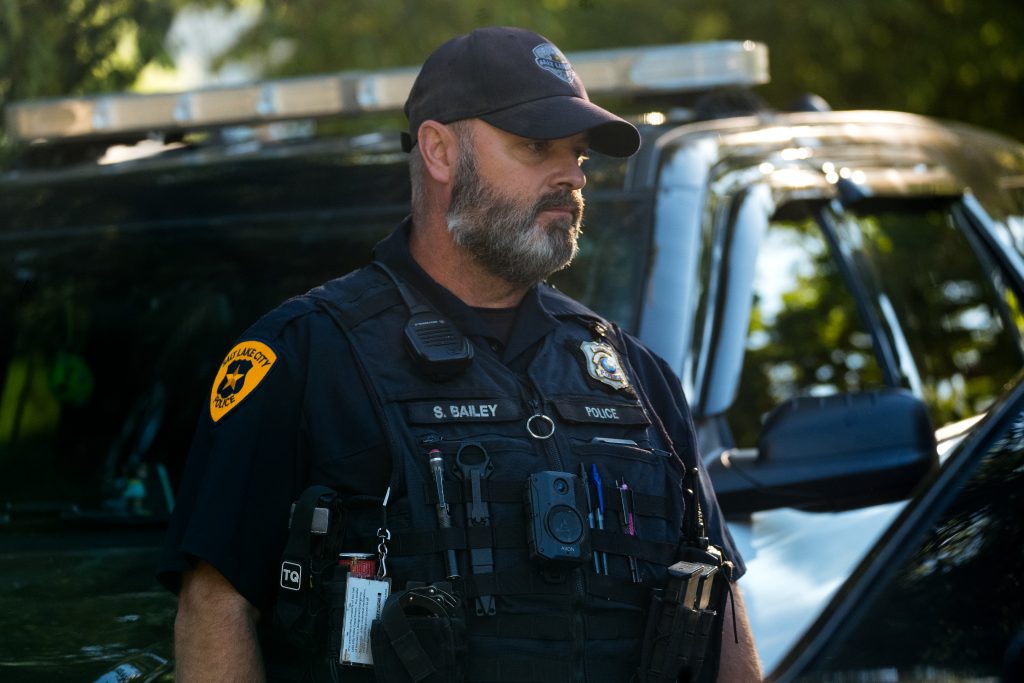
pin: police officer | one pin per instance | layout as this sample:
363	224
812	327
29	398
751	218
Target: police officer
323	390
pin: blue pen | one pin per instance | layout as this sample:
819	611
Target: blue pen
590	509
600	509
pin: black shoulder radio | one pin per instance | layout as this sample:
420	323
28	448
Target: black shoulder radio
437	346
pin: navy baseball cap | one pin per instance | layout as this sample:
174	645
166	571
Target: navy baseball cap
515	80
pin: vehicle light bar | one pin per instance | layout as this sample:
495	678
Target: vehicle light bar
627	71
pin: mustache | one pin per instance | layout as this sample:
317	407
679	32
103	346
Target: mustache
570	200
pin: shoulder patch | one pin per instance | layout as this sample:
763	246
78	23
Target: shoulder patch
243	369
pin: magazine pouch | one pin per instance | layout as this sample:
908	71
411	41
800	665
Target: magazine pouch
684	619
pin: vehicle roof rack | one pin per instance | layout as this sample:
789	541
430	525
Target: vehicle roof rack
650	70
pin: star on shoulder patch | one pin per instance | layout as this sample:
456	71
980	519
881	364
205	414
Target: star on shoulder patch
243	369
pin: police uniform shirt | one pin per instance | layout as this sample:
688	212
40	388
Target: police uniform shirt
288	410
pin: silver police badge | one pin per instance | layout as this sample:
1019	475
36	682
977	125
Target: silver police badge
603	364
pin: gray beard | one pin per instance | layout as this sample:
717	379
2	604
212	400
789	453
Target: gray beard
503	235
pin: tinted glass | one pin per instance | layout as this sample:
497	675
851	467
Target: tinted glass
120	291
806	335
951	321
942	306
120	295
953	601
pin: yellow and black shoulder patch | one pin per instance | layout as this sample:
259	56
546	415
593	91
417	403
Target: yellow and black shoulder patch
242	370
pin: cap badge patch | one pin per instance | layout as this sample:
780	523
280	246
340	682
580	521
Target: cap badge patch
603	364
551	59
243	369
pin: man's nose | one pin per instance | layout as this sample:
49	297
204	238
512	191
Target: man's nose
570	176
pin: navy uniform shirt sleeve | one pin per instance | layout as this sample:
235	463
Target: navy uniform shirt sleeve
666	395
309	420
241	476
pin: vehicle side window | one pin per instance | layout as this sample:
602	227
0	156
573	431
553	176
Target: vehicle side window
953	331
805	334
118	312
950	605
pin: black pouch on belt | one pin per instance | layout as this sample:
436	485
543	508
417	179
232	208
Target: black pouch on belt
684	620
420	636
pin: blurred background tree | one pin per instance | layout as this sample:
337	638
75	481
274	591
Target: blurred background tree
958	59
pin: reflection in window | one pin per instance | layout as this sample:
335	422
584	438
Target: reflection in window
950	322
118	299
954	600
954	332
805	334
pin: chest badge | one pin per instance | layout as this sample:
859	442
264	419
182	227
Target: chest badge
603	364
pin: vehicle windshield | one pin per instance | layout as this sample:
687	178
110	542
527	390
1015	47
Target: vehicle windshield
894	292
122	288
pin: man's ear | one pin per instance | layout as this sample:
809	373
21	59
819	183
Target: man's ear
439	148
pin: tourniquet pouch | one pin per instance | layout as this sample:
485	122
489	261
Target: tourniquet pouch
308	566
420	636
684	620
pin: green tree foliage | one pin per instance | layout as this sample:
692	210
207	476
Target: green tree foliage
958	59
61	47
69	47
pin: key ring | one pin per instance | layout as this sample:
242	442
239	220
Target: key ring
546	422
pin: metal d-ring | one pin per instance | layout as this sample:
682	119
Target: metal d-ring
546	433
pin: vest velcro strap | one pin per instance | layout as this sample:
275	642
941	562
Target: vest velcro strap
351	313
644	504
497	491
618	590
632	546
496	536
521	582
619	625
519	669
457	492
427	541
651	506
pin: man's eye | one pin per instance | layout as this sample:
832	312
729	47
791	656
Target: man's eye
537	146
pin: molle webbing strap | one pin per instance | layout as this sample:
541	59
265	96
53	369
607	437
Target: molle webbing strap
620	625
526	582
351	313
632	546
503	491
519	669
430	541
619	590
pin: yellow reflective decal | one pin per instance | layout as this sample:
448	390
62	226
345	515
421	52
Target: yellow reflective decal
242	370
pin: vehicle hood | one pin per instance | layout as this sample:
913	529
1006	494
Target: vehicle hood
73	615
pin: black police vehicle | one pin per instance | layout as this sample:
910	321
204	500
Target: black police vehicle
839	292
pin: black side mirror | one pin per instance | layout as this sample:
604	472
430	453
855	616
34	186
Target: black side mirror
831	453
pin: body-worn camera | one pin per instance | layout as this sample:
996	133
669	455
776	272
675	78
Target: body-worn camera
556	525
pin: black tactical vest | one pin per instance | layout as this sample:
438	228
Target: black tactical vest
570	412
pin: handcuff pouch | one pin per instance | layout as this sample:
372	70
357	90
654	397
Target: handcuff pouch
420	636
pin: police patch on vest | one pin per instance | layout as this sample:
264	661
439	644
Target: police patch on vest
462	410
603	364
243	369
602	413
